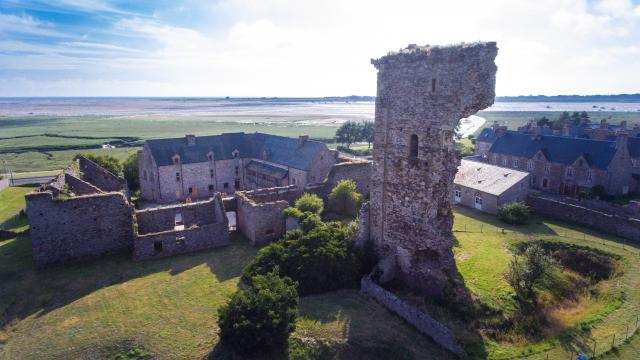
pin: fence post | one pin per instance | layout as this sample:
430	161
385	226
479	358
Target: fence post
594	348
627	334
613	342
481	226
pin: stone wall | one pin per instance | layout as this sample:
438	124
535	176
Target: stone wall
203	225
161	219
78	227
100	177
413	315
78	186
359	171
422	93
623	226
260	216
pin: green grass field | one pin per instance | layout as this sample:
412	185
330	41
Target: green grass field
167	307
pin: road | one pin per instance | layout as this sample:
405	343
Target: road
30	180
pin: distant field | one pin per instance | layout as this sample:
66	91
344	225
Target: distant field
37	143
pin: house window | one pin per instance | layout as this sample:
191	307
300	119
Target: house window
210	157
211	172
530	165
505	161
533	180
635	162
225	185
495	159
176	160
545	183
190	190
478	202
590	175
237	171
433	85
413	146
210	187
177	176
237	184
458	195
547	168
516	163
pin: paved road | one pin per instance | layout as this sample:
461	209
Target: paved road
38	179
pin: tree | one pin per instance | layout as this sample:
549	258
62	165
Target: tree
543	121
108	162
367	132
344	199
584	116
527	272
575	118
260	317
515	213
130	171
348	133
311	203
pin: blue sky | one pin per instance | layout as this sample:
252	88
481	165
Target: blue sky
303	47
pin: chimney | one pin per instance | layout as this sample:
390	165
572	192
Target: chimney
302	139
603	124
495	126
191	140
621	139
623	125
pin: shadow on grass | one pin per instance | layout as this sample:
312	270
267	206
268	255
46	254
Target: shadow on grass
535	226
27	292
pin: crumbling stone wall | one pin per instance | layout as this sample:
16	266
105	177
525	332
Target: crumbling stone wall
203	225
422	94
260	216
413	315
100	177
78	227
618	224
359	171
78	186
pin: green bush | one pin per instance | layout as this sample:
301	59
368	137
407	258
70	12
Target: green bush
261	317
311	203
600	192
130	171
344	199
515	213
320	257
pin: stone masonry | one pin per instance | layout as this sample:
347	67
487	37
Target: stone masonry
422	94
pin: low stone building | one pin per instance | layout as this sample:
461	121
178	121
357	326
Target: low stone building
72	218
564	165
182	228
487	187
260	217
197	167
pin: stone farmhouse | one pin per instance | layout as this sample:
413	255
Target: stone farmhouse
487	187
198	167
565	165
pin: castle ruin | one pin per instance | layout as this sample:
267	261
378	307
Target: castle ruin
422	94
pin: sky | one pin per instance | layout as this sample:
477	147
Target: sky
304	48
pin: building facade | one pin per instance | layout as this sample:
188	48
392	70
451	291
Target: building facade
487	187
196	167
562	164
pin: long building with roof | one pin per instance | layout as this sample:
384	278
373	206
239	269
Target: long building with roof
199	166
564	164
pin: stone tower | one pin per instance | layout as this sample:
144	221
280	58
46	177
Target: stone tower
422	94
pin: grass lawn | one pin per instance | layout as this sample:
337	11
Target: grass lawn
482	258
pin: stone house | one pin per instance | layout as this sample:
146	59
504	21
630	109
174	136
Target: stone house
561	164
193	167
487	187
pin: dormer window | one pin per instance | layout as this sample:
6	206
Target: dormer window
569	171
529	165
210	156
547	168
235	153
413	146
176	160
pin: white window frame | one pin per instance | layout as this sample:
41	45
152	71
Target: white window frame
530	165
457	194
516	163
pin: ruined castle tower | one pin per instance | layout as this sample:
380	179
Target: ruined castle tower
422	94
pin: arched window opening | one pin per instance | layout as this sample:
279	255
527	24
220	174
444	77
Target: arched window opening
413	146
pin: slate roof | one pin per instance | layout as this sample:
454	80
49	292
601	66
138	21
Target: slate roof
267	169
558	149
633	144
279	149
487	178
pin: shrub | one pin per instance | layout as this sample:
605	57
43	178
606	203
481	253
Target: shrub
311	203
515	213
528	271
260	317
600	192
130	171
344	199
320	257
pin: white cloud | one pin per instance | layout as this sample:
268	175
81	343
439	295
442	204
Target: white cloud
27	25
294	48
